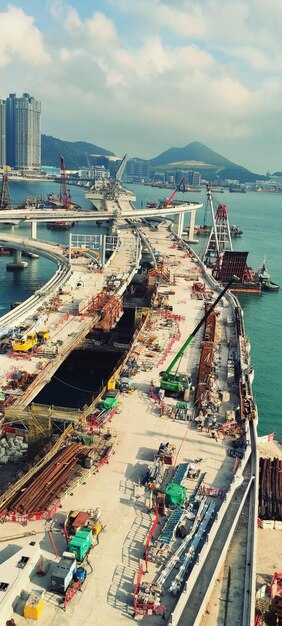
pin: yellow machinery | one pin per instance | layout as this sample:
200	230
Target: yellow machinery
111	384
30	340
34	606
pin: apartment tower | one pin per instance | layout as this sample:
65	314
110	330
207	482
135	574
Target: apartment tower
2	133
23	133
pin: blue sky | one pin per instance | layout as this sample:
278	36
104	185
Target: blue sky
140	76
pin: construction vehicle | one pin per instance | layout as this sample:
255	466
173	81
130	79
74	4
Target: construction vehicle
175	382
124	384
30	340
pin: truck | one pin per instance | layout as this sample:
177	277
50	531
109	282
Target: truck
27	342
175	382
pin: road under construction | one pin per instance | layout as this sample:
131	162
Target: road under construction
135	573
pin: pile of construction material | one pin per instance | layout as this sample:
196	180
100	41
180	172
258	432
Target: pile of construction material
270	489
13	449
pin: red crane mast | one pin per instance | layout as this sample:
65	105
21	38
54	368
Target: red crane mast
180	187
64	195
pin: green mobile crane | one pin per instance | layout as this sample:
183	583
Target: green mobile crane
173	381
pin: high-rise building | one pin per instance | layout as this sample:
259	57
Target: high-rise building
23	134
2	133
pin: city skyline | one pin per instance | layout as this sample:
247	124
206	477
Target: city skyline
140	77
20	132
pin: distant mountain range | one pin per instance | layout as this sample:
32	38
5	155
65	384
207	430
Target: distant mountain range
76	153
199	157
194	156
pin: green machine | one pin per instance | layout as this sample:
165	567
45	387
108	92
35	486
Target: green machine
175	382
81	543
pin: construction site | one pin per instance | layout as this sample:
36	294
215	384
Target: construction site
151	466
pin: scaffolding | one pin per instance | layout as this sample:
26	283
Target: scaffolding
219	239
5	202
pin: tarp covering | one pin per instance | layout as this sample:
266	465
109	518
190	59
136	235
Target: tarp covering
175	494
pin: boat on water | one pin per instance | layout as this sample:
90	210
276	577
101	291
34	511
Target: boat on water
234	189
263	277
62	225
220	256
106	193
203	229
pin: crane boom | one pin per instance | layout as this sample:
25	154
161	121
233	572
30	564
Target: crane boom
121	168
176	382
178	188
64	195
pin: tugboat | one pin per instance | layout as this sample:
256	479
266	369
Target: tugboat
264	278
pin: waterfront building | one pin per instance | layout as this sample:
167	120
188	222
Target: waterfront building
137	170
192	177
23	132
2	133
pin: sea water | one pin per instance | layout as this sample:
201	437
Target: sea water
259	215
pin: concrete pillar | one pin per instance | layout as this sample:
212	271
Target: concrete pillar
192	226
178	224
181	224
70	247
103	250
17	263
33	230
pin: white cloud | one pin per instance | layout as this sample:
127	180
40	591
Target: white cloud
148	74
20	39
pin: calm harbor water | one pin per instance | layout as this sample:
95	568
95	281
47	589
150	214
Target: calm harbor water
259	215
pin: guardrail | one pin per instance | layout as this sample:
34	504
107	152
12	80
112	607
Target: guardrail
251	428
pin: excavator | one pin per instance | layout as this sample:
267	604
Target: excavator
175	382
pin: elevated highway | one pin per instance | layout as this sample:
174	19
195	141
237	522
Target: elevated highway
122	211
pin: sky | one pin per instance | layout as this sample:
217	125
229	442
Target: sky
141	76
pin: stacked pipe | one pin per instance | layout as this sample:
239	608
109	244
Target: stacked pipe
47	484
270	489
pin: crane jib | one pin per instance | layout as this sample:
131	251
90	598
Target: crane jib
197	328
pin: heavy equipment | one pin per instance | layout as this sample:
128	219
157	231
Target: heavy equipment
176	382
30	340
81	543
124	384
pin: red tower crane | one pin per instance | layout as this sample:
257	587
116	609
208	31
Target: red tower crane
64	194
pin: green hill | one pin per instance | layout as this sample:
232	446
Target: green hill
195	156
199	157
75	153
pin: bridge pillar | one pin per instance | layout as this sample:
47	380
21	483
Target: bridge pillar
33	230
191	228
102	250
178	224
17	263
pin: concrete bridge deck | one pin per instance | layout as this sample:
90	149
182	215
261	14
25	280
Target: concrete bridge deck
107	597
61	306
